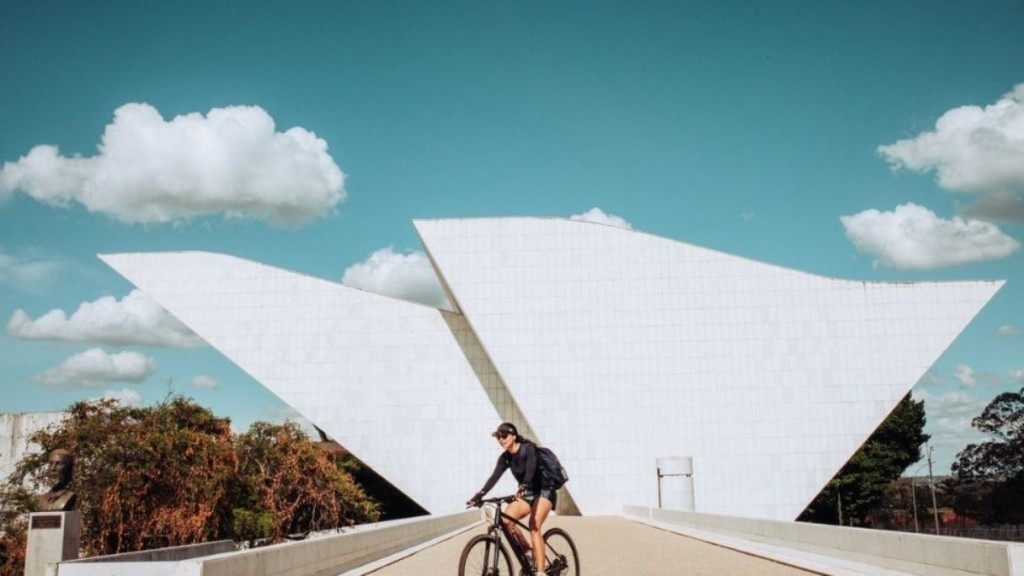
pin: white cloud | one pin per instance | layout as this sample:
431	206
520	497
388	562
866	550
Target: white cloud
998	206
26	272
1007	330
1017	374
135	320
932	379
95	368
410	276
957	407
965	375
406	276
126	396
949	418
597	215
206	382
913	237
230	162
972	148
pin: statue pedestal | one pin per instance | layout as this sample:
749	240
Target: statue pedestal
52	537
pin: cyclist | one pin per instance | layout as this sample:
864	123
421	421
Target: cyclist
533	497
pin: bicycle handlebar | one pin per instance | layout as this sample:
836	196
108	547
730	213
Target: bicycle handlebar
499	500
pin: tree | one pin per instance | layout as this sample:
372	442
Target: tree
174	473
1003	455
999	461
860	486
135	472
299	488
14	499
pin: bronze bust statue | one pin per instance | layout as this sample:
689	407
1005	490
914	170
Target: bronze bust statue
59	469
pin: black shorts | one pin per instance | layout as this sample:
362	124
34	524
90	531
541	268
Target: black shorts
550	493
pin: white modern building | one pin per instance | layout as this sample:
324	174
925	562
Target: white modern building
613	347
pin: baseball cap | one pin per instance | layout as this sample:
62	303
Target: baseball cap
506	428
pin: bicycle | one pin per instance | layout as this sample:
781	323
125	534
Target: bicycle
486	555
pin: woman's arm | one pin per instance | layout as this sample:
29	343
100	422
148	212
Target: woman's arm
499	469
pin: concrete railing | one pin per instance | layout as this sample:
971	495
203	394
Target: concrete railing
842	550
325	556
172	554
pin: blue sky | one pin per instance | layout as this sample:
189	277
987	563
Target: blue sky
863	140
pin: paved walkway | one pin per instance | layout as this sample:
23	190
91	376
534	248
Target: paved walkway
611	546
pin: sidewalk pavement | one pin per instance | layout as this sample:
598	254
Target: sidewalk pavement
608	546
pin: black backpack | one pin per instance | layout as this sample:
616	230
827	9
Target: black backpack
551	469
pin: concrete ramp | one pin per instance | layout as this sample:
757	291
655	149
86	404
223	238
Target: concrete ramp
609	546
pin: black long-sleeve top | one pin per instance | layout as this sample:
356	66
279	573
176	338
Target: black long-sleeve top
523	464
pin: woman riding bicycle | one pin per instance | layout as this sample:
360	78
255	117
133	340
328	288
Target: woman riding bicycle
534	497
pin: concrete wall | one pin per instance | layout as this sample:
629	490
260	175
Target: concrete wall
325	556
160	562
14	432
170	554
842	550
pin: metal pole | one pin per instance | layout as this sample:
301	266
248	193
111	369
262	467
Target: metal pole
675	474
659	488
931	482
913	495
839	505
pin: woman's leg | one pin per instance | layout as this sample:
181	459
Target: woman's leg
539	513
517	509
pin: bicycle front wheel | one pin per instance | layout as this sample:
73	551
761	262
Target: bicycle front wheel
484	556
561	552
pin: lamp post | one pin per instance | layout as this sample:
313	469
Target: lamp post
913	497
931	483
931	486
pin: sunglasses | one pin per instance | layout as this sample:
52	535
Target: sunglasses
503	436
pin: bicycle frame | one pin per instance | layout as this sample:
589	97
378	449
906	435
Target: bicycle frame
498	526
492	557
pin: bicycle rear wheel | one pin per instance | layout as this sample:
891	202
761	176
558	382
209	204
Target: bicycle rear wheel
561	552
478	558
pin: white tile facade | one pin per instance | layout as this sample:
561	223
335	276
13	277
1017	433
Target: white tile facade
384	377
614	347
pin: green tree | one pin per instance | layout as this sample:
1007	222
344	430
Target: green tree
1002	456
860	486
969	497
999	460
